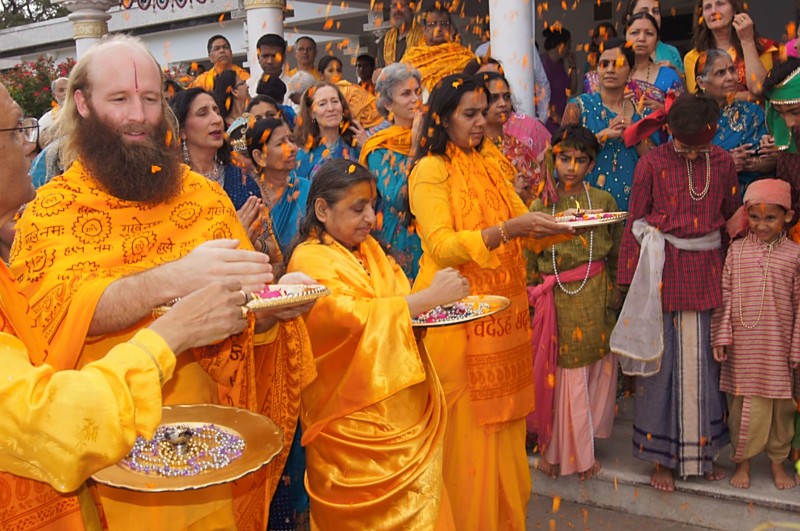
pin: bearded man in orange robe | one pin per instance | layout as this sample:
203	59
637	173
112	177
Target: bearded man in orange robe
126	228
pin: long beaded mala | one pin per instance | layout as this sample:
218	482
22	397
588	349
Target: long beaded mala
770	246
689	169
591	249
182	451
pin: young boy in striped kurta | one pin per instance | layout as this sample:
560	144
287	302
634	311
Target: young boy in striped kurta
755	334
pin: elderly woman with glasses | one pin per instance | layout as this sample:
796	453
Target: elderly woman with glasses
388	154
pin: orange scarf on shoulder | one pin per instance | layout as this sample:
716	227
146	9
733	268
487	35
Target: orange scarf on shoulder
394	138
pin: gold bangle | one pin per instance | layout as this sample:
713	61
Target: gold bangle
503	233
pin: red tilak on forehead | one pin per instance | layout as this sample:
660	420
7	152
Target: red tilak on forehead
135	78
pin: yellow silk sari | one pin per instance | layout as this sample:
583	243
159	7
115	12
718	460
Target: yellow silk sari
72	242
373	420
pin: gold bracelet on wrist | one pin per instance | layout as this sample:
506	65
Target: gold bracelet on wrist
503	233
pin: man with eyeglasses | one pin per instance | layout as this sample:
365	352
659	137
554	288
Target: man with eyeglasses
683	193
437	56
221	56
60	426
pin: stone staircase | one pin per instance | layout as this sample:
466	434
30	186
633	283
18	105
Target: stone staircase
623	485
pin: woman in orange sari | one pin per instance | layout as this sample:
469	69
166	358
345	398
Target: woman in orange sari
374	419
469	217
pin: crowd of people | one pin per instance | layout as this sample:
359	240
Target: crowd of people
416	185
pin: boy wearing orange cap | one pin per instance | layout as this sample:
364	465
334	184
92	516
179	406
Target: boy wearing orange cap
761	301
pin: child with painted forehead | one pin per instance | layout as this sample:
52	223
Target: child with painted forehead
761	299
574	300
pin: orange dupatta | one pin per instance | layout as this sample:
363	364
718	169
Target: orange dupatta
394	138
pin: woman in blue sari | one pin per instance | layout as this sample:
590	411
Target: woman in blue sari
741	129
388	154
274	153
325	130
607	114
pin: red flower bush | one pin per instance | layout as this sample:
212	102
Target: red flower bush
29	83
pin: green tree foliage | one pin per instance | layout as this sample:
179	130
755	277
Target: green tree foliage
29	83
18	12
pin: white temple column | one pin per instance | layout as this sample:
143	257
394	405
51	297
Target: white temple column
263	16
89	21
510	25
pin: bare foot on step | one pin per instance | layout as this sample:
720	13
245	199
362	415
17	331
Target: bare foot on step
716	473
548	469
592	472
662	479
780	477
741	476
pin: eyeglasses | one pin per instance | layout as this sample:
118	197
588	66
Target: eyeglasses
440	23
28	128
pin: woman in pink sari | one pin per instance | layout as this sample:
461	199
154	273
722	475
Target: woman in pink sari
523	139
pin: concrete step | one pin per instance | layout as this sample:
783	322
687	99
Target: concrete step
623	484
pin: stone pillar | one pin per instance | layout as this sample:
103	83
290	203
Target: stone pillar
89	21
263	16
510	25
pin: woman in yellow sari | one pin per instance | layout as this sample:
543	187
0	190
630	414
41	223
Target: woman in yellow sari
374	419
469	217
